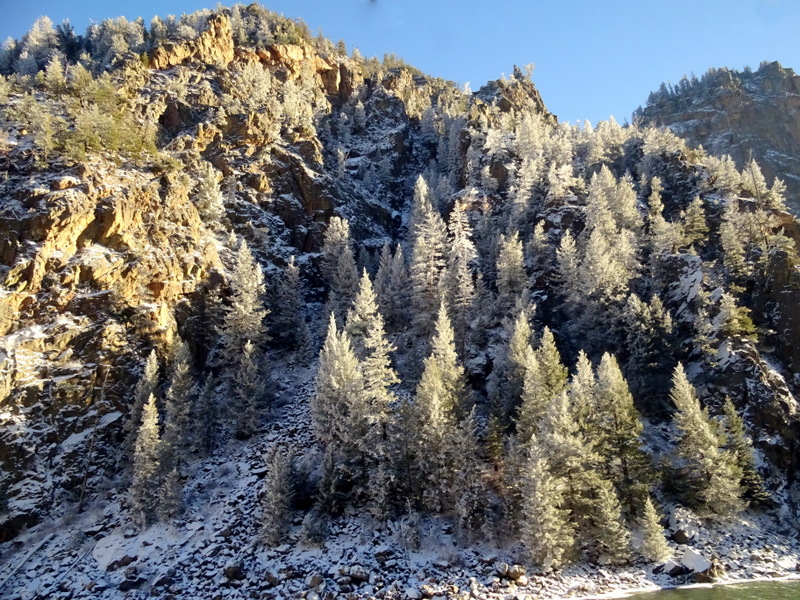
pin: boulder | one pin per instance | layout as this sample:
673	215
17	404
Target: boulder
514	572
694	561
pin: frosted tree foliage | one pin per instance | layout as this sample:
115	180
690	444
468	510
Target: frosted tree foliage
428	260
178	407
707	473
277	498
654	544
249	393
146	466
145	387
244	318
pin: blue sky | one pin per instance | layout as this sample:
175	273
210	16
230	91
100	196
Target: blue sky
592	58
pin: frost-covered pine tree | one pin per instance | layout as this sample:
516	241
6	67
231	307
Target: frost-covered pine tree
619	433
250	391
545	379
695	228
170	495
610	534
146	481
244	318
344	286
546	530
440	395
206	420
740	445
338	405
582	394
391	287
208	196
428	261
707	474
288	322
177	438
337	238
512	280
461	294
654	544
276	501
145	387
368	336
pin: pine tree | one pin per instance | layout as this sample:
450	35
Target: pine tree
249	392
207	417
545	379
244	318
654	544
733	256
287	315
620	430
344	286
338	407
739	444
471	500
170	495
277	497
695	228
428	262
440	395
461	294
208	196
177	437
519	356
582	394
708	475
337	238
146	466
145	387
366	330
512	280
545	530
611	535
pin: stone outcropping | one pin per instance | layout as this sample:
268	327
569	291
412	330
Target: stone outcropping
744	114
213	46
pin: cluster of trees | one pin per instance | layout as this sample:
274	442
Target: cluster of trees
164	430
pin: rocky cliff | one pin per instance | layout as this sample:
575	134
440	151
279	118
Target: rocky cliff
746	114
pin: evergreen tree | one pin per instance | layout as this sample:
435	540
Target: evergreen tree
739	444
610	534
461	294
440	395
695	228
244	319
208	196
733	255
170	495
428	262
207	417
650	345
545	530
287	315
471	501
344	286
337	238
708	475
277	498
365	326
145	387
619	430
337	408
654	544
146	466
512	280
545	379
177	437
249	393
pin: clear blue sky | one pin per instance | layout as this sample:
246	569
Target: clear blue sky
593	58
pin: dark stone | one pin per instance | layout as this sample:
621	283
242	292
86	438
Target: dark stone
122	562
681	537
131	584
233	571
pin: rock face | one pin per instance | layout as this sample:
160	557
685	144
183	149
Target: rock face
214	46
744	114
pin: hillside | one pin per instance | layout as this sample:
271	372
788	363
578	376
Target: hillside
279	319
749	115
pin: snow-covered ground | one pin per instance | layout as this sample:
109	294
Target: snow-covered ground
214	550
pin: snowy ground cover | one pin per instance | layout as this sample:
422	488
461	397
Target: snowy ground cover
214	550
